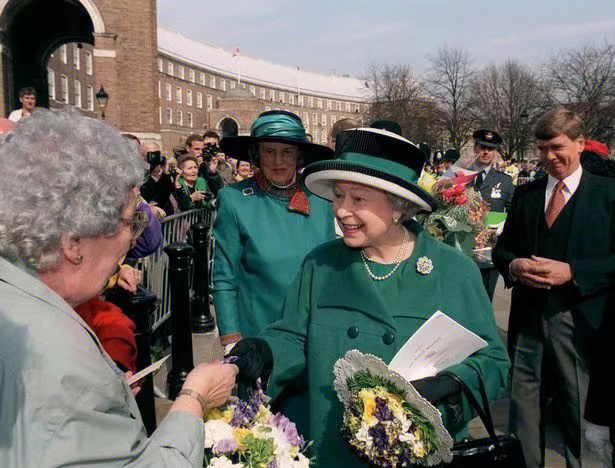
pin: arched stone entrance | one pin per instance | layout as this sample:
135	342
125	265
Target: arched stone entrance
124	37
228	127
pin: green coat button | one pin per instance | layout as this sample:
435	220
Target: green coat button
388	338
353	332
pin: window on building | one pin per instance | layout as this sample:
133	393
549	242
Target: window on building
170	68
77	93
169	115
168	92
199	99
233	85
90	97
338	106
76	57
51	80
323	119
191	75
253	90
272	94
315	136
178	95
160	65
357	107
63	54
323	135
365	108
347	107
314	118
210	102
180	118
202	78
306	119
64	88
310	102
300	100
188	97
263	93
281	97
180	72
333	120
223	85
291	99
160	115
212	81
89	69
159	90
319	103
189	119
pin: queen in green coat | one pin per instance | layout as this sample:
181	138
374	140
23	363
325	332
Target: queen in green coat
265	225
371	291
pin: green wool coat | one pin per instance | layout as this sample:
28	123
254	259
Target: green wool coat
334	306
259	247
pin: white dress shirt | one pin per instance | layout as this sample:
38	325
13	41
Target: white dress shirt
571	184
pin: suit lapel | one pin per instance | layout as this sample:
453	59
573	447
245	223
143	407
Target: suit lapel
348	286
581	209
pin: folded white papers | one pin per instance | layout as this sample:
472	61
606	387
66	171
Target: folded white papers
148	370
439	343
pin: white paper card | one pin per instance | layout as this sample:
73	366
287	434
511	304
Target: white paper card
148	370
439	343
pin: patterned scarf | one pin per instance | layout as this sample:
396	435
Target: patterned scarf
297	199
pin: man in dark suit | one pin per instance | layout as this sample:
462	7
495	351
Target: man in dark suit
495	187
557	251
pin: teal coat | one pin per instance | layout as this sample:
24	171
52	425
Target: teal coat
259	247
333	306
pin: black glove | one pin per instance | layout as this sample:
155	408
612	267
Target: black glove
436	388
254	359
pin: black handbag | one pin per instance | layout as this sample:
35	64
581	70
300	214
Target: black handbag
502	451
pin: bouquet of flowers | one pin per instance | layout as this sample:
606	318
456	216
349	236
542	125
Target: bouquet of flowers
460	215
246	434
385	419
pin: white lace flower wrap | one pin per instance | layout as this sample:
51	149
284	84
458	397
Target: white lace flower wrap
355	361
424	265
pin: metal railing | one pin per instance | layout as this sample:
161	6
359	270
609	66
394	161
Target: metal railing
154	268
523	180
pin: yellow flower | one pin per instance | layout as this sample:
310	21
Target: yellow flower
369	405
426	182
213	413
263	414
240	433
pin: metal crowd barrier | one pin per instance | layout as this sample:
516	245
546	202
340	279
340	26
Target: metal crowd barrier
154	268
523	180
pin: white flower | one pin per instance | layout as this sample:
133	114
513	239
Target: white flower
223	462
363	435
215	431
283	449
424	265
287	462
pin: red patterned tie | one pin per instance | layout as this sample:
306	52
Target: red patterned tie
556	203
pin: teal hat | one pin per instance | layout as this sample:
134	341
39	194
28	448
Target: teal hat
279	126
376	158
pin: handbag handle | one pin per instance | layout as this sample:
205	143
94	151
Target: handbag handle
484	411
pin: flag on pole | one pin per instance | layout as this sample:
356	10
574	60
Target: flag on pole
236	52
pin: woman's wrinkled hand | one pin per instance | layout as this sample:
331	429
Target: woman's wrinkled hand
197	196
214	381
128	278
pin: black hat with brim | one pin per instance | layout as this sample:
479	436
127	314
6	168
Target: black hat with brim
277	126
487	138
376	158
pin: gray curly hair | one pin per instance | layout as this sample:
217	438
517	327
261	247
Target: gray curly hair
64	173
407	208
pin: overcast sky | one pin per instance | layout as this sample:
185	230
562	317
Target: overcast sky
346	35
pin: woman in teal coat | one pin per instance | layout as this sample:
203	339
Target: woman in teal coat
371	291
265	225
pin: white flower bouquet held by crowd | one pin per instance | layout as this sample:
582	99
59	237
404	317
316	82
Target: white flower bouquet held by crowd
386	421
247	434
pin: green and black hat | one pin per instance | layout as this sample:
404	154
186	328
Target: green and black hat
376	158
279	126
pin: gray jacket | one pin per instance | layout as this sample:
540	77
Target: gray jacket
62	400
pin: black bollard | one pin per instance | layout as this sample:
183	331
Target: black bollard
139	307
181	331
202	320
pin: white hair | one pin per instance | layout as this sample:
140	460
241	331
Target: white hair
63	173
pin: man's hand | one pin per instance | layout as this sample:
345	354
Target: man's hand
213	165
529	273
555	272
128	278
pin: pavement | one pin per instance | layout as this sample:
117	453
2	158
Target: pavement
206	348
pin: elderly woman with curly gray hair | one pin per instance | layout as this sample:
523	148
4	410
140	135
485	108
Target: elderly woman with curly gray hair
66	220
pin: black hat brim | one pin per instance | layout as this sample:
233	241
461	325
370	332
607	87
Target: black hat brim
238	148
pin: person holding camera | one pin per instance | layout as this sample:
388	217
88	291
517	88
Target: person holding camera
191	190
206	163
159	186
211	147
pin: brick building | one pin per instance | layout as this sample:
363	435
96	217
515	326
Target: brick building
201	87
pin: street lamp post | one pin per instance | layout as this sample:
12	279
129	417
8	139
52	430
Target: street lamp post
102	97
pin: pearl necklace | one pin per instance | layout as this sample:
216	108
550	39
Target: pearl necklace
398	259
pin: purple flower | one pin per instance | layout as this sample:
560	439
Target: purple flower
226	446
259	398
288	428
382	411
379	436
243	415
